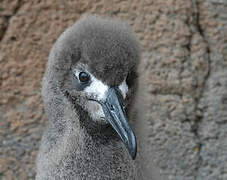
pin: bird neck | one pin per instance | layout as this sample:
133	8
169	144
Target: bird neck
101	151
98	140
86	148
104	154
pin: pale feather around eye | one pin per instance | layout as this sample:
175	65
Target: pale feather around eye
124	88
97	88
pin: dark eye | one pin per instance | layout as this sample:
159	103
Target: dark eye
131	78
84	77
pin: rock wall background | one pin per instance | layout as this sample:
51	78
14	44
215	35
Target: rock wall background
184	65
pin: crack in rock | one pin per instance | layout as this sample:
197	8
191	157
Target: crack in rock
198	110
6	20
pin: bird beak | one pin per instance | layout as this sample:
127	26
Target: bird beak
115	115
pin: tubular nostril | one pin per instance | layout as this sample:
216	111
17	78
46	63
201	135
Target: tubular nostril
112	107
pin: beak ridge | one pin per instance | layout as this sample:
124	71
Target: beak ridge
116	116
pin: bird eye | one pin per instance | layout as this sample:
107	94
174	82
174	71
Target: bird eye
84	77
131	78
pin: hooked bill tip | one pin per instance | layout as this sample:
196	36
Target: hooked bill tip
132	148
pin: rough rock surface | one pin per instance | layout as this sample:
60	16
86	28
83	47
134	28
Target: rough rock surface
184	66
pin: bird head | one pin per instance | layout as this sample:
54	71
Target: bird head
93	64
